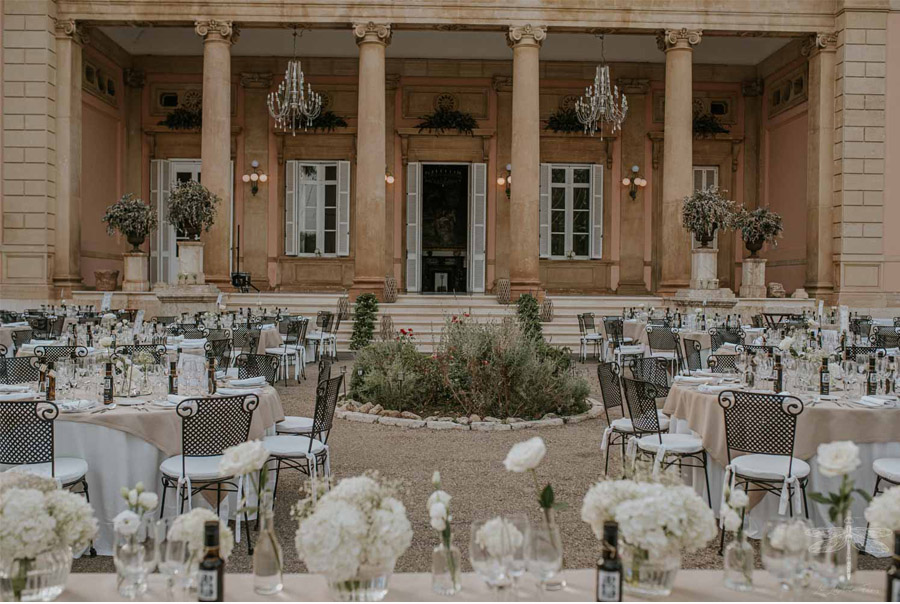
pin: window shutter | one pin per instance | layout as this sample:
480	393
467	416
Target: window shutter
154	205
163	268
479	220
413	187
343	209
545	212
290	208
597	211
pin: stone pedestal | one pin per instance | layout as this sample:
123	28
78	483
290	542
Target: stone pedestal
190	263
704	268
753	278
137	273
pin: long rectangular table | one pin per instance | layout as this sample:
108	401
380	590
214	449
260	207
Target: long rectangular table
690	585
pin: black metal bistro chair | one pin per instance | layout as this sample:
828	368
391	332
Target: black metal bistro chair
665	342
255	365
19	370
52	354
589	335
725	335
292	349
298	424
722	363
693	360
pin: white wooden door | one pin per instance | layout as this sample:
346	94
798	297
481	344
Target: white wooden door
413	226
478	227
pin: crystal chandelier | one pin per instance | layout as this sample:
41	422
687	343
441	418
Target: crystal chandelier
291	105
601	103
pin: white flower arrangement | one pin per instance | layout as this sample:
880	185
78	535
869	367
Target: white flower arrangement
440	518
245	458
139	501
189	528
36	520
656	518
126	522
785	344
839	458
735	502
499	537
884	511
358	523
526	456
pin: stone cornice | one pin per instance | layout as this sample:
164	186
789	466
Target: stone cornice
526	34
819	42
372	32
69	28
214	29
678	38
256	79
134	78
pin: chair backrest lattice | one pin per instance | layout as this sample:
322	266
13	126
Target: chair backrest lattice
211	425
26	432
327	392
692	357
640	398
255	365
760	423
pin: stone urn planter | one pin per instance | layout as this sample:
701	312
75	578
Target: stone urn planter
705	237
106	280
754	246
136	242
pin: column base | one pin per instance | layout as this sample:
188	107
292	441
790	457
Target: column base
819	289
518	288
367	285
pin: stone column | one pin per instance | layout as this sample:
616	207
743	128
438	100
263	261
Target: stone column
254	223
369	240
67	256
820	48
678	155
215	151
134	135
524	201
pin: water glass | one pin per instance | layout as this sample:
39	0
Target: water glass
494	545
135	557
785	550
175	563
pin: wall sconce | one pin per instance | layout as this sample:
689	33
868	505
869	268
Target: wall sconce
388	177
255	177
506	180
634	182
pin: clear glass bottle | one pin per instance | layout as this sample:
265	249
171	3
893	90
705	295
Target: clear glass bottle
445	570
739	564
268	558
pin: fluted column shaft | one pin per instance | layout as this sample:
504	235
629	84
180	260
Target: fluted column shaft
678	156
369	240
215	151
524	201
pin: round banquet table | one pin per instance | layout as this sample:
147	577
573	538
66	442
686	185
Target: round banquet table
875	431
127	445
637	331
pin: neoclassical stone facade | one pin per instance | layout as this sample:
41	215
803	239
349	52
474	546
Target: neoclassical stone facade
808	91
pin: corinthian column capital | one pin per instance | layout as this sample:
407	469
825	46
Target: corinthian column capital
678	38
819	42
526	34
216	30
69	28
372	32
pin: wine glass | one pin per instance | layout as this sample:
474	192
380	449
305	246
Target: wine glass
785	550
175	561
545	553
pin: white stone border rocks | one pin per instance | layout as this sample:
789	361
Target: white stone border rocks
368	413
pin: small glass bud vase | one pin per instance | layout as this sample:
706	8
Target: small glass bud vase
445	570
268	558
739	564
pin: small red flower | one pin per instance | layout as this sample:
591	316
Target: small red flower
465	314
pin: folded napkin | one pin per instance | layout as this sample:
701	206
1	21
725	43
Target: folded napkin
221	374
16	324
34	342
238	391
728	346
75	406
20	396
689	379
248	382
164	404
13	388
707	374
268	326
876	402
193	343
714	389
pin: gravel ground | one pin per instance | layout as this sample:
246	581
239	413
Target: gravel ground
471	465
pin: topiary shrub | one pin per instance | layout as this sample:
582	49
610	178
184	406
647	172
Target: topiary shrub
364	321
528	312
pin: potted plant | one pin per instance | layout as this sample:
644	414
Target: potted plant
192	208
131	217
705	211
757	227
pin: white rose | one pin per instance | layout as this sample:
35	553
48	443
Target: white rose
105	342
785	344
739	499
731	519
126	523
438	513
148	500
436	479
244	458
439	497
525	455
838	458
132	497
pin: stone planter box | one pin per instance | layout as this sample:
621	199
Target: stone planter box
106	280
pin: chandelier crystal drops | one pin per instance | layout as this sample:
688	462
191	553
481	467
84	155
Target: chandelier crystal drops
601	102
294	105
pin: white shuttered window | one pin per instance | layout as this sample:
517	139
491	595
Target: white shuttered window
317	208
571	211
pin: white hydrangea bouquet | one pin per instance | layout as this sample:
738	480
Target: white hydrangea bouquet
189	528
884	514
352	532
37	518
655	519
139	502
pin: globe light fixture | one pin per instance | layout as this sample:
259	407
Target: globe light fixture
635	181
255	177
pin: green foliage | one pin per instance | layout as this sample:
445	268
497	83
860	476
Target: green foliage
761	224
192	207
131	217
448	119
706	210
364	321
327	121
528	312
707	125
183	118
489	369
564	120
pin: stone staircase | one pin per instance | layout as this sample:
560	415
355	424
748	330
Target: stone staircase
426	314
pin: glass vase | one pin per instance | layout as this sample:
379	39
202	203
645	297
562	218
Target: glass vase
648	576
38	579
834	557
445	570
739	564
369	585
134	555
546	551
268	559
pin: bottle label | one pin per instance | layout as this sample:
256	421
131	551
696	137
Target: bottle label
208	586
608	586
825	384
